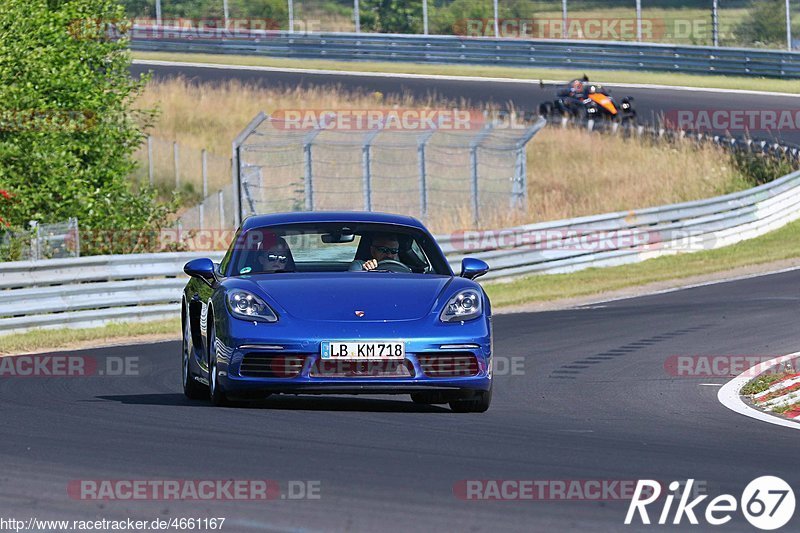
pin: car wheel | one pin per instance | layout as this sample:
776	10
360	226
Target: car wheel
478	404
216	393
191	388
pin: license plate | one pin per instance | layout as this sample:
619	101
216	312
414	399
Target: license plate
364	350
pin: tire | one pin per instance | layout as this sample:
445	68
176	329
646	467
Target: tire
215	392
191	388
479	404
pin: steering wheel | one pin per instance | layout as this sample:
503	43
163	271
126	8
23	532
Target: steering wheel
392	266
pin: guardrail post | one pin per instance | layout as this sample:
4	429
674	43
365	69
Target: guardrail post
308	169
423	174
150	159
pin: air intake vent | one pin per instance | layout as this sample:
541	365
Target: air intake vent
261	365
449	365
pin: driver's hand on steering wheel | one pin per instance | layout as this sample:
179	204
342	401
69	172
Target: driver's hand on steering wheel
372	264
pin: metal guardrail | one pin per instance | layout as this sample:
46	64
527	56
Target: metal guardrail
91	291
479	51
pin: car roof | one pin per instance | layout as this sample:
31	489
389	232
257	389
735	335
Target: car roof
275	219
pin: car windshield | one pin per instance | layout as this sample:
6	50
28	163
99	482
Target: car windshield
335	248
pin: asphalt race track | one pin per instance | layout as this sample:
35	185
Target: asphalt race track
650	103
589	399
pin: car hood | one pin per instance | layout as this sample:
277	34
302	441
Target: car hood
337	297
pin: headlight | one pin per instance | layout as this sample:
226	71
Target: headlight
465	305
243	304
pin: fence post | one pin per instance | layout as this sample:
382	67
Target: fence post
176	163
158	12
519	192
204	171
221	202
366	168
150	158
35	244
789	25
639	20
715	22
564	21
473	167
423	174
290	7
425	17
308	169
356	16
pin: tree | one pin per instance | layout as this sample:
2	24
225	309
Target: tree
68	123
765	25
391	16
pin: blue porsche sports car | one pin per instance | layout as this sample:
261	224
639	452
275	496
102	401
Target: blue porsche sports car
337	303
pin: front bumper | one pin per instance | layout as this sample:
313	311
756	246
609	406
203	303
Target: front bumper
309	381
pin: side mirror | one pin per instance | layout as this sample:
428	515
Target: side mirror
472	268
202	268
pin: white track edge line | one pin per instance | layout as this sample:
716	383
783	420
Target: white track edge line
258	68
729	393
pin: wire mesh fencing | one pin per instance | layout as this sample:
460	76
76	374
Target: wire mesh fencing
466	176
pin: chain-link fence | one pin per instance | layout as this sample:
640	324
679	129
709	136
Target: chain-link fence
466	177
41	241
760	23
169	166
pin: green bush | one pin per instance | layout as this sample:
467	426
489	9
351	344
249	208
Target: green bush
765	25
68	125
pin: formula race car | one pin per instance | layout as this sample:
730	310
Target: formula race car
581	99
337	303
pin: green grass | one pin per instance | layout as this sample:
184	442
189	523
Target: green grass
784	408
49	339
607	76
777	245
762	383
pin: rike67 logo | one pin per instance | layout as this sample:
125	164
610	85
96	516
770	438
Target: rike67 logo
767	503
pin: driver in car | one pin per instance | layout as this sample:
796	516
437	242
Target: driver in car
383	247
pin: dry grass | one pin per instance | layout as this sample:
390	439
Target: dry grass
570	173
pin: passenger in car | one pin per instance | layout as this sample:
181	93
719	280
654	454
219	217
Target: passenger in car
275	255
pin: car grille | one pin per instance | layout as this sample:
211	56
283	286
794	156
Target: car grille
268	365
362	369
448	365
